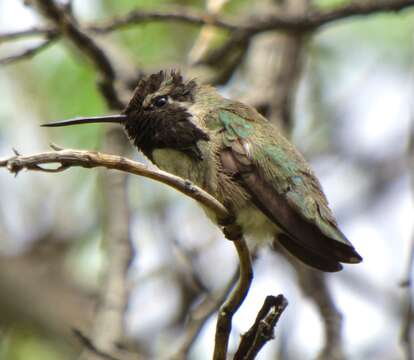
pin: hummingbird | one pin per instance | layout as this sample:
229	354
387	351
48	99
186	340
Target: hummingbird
234	153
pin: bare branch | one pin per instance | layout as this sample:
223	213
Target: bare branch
315	19
67	27
314	285
38	275
90	159
236	297
176	14
199	317
27	53
263	328
36	31
253	25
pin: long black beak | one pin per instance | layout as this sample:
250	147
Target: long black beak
119	119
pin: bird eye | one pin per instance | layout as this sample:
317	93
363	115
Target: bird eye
160	101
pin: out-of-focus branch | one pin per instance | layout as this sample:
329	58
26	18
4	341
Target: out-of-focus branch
200	315
91	347
28	53
68	158
207	32
35	291
59	16
176	14
308	21
262	329
408	312
236	297
254	25
408	301
108	326
280	60
314	285
36	31
90	159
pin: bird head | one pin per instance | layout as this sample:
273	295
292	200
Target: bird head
157	116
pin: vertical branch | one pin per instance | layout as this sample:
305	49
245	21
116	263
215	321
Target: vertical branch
235	299
108	325
279	58
314	285
207	32
408	301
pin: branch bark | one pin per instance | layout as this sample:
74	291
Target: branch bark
89	159
262	329
309	21
236	297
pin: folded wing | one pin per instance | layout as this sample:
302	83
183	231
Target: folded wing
283	187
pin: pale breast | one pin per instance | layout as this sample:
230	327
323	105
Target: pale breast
257	228
177	163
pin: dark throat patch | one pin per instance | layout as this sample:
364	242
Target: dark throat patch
151	126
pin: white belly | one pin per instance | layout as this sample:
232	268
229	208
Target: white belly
257	228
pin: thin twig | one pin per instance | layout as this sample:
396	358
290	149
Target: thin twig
36	31
27	53
176	14
235	299
90	159
263	328
88	344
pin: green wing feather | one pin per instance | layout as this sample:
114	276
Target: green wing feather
282	185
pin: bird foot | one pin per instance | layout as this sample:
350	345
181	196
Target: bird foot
232	232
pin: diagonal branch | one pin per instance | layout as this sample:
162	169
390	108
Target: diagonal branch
58	15
35	31
28	53
89	159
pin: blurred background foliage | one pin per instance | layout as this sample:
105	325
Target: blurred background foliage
352	120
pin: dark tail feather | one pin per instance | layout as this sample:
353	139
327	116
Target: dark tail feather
307	237
345	252
308	256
